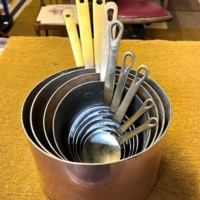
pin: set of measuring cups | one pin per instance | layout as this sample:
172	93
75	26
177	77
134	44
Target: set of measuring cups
86	125
68	117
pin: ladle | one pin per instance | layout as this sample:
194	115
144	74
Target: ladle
102	147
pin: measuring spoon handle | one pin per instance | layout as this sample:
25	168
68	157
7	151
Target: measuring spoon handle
109	6
147	105
118	116
112	61
152	122
122	81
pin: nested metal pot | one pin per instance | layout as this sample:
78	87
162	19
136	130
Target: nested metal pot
85	96
132	177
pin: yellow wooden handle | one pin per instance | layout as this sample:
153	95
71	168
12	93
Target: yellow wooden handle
98	25
70	23
85	32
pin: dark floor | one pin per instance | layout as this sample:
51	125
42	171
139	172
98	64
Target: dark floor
184	26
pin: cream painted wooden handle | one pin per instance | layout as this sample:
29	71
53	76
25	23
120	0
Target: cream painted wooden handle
85	32
73	36
98	25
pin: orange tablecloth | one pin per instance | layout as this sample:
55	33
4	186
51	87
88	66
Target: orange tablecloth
174	65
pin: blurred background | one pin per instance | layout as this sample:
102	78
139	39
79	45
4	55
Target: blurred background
185	24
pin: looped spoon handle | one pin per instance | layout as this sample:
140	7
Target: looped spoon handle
112	61
148	104
150	123
118	116
122	81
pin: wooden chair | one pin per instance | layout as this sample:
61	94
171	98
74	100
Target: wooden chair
141	12
50	15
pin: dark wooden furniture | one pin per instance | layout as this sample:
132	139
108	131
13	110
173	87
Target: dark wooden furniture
3	35
136	13
141	12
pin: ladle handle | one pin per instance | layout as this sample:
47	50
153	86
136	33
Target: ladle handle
148	104
122	80
150	123
112	61
109	6
118	116
73	36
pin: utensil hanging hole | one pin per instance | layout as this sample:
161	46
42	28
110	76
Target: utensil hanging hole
82	1
153	122
115	31
128	58
67	15
143	69
99	2
110	14
148	103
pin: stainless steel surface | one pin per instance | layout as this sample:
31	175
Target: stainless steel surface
85	32
119	114
90	120
80	122
122	81
96	122
38	107
112	61
71	180
50	100
68	180
103	147
110	6
73	36
30	97
83	97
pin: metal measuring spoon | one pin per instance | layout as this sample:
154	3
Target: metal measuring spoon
112	61
89	126
148	104
122	81
128	145
124	148
119	114
102	147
